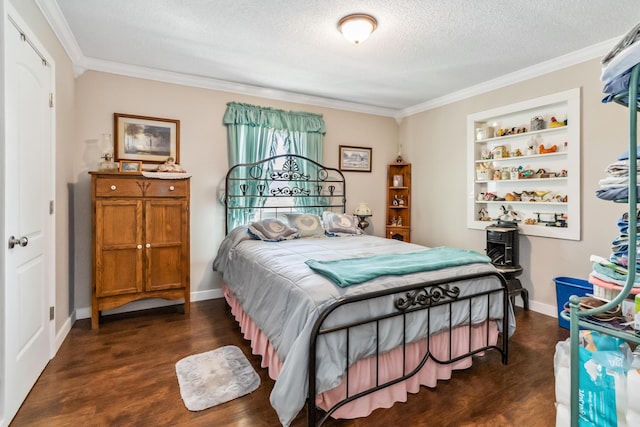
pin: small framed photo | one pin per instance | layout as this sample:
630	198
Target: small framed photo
398	181
355	159
145	139
130	166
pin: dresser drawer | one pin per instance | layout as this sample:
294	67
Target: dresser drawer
107	186
167	188
119	187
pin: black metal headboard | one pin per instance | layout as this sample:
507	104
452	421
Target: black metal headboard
278	185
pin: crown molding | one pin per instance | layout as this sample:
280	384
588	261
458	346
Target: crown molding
60	27
226	86
555	64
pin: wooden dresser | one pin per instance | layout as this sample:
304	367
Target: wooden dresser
140	240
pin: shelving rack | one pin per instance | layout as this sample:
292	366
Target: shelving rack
577	317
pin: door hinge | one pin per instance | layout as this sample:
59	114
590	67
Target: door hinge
51	313
50	207
51	100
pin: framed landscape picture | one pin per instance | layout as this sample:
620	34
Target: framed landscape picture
145	139
130	166
355	159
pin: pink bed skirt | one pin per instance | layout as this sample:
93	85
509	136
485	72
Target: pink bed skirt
362	374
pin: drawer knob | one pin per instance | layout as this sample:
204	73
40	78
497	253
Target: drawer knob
148	245
171	188
113	187
139	246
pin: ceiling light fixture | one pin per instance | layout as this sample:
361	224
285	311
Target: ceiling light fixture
356	28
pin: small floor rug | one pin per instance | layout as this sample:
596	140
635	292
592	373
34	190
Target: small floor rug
217	376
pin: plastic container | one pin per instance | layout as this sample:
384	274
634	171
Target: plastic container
565	287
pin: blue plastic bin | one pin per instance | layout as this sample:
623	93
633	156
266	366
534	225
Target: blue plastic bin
565	287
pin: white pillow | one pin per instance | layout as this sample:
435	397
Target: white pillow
308	225
272	230
340	223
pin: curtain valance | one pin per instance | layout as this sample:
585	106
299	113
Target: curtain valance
252	115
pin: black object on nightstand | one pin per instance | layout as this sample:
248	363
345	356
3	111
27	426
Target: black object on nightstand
503	249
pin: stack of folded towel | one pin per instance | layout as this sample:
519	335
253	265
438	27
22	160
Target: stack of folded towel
615	186
610	275
617	64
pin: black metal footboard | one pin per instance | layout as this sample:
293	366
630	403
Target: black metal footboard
406	301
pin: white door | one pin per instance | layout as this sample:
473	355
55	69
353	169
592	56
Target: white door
28	226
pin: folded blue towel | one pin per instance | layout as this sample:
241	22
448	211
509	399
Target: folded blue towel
350	271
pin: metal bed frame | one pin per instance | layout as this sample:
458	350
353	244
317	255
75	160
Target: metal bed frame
324	188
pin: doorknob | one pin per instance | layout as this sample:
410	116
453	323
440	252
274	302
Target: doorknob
22	241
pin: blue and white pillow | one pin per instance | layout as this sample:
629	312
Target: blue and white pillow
340	224
272	230
308	225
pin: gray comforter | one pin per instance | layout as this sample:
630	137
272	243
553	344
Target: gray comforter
284	297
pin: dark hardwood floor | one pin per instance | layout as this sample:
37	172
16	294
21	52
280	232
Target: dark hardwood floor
124	375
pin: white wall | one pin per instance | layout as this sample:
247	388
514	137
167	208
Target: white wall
436	144
203	152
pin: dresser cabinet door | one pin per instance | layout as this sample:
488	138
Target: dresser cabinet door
119	254
166	237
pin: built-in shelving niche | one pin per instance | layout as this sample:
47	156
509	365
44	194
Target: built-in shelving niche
559	203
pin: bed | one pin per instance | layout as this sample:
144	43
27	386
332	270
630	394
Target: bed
335	333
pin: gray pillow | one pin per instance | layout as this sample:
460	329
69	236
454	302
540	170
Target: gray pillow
338	223
272	230
308	225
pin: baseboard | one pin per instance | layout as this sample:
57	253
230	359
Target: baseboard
85	312
62	333
538	307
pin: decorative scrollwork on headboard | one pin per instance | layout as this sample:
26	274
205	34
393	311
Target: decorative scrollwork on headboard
290	172
290	191
299	183
426	297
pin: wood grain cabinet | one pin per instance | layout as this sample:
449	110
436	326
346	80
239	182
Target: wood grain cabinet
140	240
399	201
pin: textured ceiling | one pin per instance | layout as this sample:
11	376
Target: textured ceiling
421	50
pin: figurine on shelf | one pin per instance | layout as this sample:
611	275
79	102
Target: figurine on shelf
531	148
509	214
555	123
395	201
483	215
551	149
400	200
170	166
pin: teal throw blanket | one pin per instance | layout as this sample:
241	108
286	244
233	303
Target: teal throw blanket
350	271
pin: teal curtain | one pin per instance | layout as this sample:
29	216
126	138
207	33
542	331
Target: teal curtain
251	134
309	145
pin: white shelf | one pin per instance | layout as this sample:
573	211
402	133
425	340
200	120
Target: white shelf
533	156
563	105
507	202
523	180
521	135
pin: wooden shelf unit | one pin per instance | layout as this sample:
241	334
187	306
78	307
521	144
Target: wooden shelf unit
398	202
